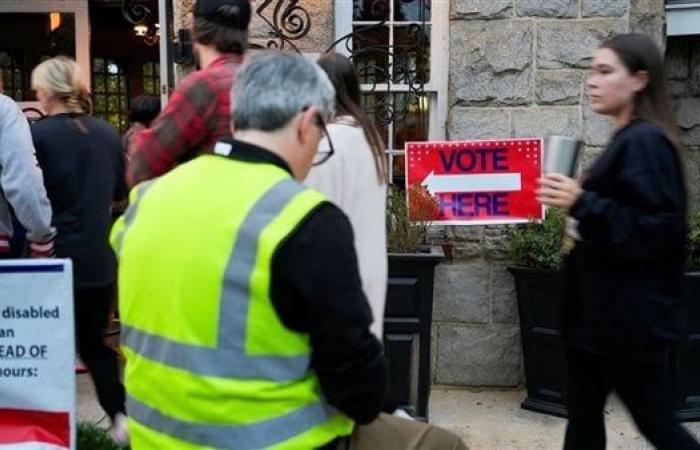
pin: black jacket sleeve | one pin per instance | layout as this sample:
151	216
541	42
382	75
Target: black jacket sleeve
646	218
119	166
316	289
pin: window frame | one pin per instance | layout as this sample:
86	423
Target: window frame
82	30
437	87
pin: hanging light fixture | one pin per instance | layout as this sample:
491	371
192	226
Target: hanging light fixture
55	20
141	30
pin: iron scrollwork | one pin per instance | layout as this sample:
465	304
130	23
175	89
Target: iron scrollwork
289	22
135	12
386	64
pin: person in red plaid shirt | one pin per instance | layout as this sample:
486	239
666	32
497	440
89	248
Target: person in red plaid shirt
198	112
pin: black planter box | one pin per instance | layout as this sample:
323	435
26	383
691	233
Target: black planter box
407	322
685	362
539	303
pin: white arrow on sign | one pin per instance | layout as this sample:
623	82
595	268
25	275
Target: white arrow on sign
481	182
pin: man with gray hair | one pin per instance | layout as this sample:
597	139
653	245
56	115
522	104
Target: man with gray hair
266	340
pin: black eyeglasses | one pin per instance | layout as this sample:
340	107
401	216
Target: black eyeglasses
322	156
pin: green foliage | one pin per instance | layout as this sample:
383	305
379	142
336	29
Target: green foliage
694	241
402	234
539	245
91	437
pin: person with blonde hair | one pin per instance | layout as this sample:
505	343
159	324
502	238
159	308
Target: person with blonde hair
83	164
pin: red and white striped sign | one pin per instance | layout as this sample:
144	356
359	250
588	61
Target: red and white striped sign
474	182
37	350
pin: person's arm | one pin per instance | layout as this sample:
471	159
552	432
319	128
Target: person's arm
316	289
649	225
22	181
120	193
179	130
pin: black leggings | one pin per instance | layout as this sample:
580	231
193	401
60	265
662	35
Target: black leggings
92	307
642	387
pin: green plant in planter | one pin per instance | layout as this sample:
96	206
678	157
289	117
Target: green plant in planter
694	241
92	437
538	245
406	234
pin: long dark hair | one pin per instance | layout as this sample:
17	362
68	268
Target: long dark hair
638	52
342	74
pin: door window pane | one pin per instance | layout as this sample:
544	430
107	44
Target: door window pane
364	10
109	84
370	54
411	10
26	39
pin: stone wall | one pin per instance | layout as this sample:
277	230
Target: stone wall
517	69
683	63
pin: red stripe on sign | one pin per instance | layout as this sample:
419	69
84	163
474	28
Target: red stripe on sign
18	425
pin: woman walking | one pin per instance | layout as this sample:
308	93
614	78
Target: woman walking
355	179
83	165
623	277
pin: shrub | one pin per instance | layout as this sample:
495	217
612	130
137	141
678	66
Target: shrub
92	437
404	234
538	245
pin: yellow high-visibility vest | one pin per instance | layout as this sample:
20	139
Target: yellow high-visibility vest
209	362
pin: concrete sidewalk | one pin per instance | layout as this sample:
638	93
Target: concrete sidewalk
486	419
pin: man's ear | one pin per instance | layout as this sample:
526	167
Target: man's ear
641	80
307	122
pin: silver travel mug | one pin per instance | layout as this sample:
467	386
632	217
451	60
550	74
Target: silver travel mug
561	154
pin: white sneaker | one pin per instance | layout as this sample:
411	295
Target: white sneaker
119	432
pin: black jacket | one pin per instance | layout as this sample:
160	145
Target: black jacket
83	165
624	277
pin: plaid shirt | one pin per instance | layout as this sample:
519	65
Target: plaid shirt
197	114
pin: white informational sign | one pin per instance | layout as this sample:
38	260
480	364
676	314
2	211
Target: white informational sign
37	350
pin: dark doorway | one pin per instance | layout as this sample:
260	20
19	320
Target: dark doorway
125	59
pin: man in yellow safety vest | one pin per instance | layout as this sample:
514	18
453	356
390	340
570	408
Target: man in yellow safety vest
244	324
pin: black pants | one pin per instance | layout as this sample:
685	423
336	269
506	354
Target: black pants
642	387
92	307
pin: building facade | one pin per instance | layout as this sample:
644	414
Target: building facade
431	70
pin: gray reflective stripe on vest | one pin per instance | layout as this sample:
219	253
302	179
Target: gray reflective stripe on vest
130	213
214	362
258	435
229	358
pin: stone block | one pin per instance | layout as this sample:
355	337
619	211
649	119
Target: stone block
572	43
477	123
461	292
539	122
589	157
688	112
691	160
678	88
316	14
481	9
558	87
549	8
504	305
491	64
467	250
653	7
650	24
479	355
695	69
596	127
604	8
677	60
464	234
496	242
